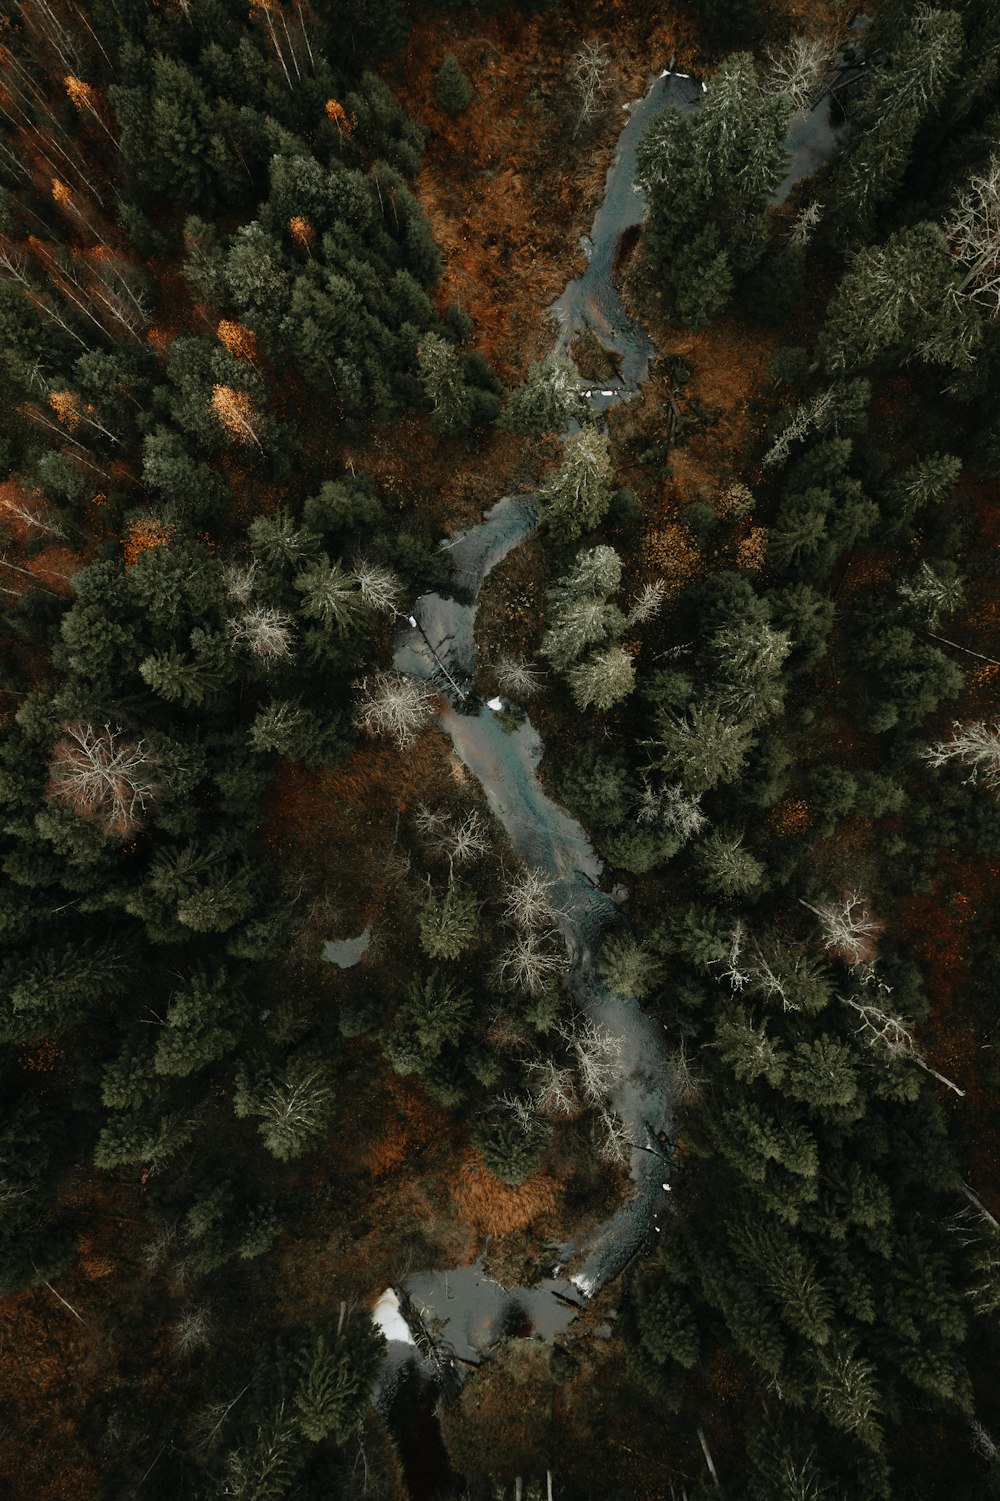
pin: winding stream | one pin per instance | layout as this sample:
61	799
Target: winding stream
462	1309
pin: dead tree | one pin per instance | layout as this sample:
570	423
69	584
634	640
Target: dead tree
102	776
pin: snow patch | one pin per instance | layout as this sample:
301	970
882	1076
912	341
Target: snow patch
387	1316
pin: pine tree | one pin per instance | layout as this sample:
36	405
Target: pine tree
196	1031
433	1014
893	299
335	1380
602	679
575	499
448	921
193	680
847	1393
579	614
452	87
703	747
665	1318
331	596
294	1105
444	382
511	1146
550	398
628	967
707	177
727	868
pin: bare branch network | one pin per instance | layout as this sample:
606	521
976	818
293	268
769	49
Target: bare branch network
977	746
589	69
517	678
394	705
265	632
799	68
888	1034
849	930
101	776
973	232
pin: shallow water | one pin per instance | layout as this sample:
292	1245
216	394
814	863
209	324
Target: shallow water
593	301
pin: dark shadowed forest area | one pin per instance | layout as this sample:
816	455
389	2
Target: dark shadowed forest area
499	1009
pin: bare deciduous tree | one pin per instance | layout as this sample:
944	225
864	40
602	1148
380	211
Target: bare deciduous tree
192	1330
615	1143
266	632
599	1058
647	602
798	69
738	970
532	962
684	1083
33	518
521	1107
529	901
589	70
849	930
432	823
240	580
977	745
391	704
380	588
518	678
555	1092
885	1033
973	231
102	776
466	841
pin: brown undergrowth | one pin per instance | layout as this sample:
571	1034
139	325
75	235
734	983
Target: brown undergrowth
506	185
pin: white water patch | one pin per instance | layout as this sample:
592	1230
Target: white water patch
346	952
387	1316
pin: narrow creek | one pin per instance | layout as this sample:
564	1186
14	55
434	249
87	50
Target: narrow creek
453	1317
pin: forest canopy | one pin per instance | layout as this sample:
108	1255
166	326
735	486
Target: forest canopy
274	336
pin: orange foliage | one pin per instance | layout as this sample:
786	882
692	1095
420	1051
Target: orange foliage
411	1122
45	1056
47	1357
668	552
61	192
80	93
235	411
56	565
240	341
143	536
63	403
985	675
92	1263
492	1207
301	231
160	339
339	116
751	551
790	816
